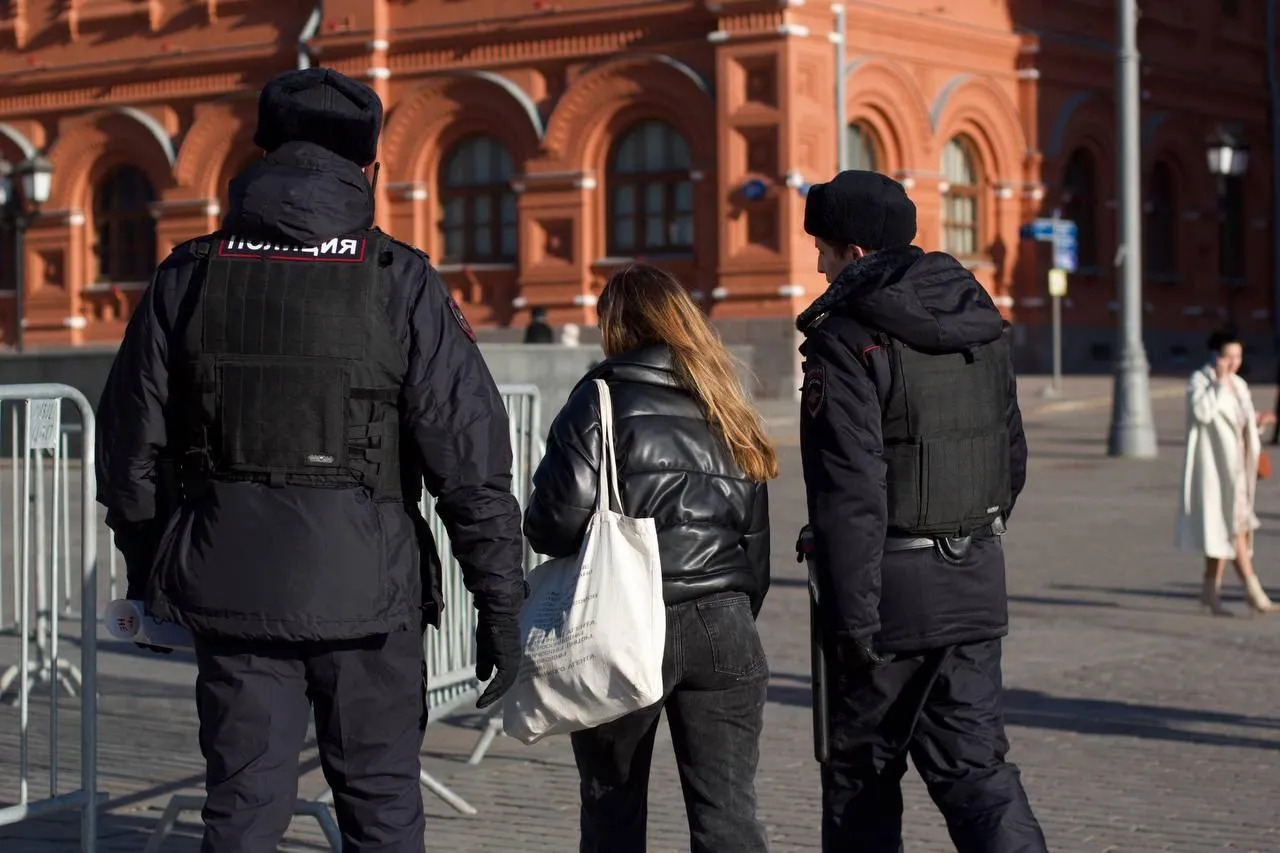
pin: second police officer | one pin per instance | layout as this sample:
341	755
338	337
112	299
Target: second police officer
913	454
282	390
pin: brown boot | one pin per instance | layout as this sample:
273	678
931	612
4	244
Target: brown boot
1257	599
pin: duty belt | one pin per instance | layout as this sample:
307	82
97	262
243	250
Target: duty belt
917	543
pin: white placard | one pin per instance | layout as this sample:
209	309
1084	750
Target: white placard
44	418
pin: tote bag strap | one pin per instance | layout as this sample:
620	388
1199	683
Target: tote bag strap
608	454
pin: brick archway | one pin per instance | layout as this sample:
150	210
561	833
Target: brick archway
1092	128
15	143
222	130
88	146
883	95
979	109
418	125
1087	125
1179	141
579	132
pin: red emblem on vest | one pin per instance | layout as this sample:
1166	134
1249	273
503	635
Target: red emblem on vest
462	320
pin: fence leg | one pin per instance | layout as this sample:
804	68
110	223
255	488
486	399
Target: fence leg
443	792
41	673
41	669
182	803
177	805
324	817
6	680
487	737
429	782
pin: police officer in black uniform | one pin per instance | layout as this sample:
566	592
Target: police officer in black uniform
913	454
283	389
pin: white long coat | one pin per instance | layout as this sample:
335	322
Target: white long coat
1207	503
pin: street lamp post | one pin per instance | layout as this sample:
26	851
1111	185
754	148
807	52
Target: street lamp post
1133	432
23	190
1228	159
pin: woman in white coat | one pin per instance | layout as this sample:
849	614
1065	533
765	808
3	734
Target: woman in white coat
1219	478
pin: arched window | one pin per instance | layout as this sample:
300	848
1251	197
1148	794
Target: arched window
1080	204
478	205
1161	232
962	202
862	148
650	192
126	231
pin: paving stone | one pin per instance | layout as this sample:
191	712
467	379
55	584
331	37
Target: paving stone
1139	723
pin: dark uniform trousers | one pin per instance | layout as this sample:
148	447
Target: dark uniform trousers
943	708
254	700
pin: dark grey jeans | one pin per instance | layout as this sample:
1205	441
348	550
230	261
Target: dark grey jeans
716	680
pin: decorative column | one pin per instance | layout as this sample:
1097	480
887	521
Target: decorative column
53	258
556	246
777	135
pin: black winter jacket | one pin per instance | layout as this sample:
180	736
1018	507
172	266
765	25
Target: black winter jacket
713	523
907	600
244	560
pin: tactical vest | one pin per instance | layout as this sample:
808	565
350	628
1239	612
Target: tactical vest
946	439
292	370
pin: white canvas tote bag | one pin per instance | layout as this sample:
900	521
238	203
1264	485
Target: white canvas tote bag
594	626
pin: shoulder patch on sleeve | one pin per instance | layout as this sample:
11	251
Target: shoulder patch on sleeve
815	389
462	319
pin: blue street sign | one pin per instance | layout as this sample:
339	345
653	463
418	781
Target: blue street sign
1065	251
1044	229
1062	233
1040	229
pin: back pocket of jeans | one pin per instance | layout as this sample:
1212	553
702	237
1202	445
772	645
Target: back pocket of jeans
736	649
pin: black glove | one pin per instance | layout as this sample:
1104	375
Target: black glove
859	656
497	647
138	544
804	544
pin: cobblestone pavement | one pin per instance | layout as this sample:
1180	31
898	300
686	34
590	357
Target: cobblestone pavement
1139	723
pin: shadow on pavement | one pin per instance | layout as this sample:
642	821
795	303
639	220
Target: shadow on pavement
1060	602
1100	442
791	583
1033	709
127	831
1038	710
1183	592
791	689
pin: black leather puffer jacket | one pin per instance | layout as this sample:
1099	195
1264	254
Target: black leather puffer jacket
713	523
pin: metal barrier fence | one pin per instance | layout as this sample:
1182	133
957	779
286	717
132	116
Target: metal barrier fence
41	551
451	649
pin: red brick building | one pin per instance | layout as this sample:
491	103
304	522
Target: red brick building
533	145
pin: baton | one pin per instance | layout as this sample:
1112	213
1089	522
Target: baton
819	676
817	654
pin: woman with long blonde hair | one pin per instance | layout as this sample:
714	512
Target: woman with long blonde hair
694	456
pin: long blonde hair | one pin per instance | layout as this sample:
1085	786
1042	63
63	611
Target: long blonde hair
642	305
